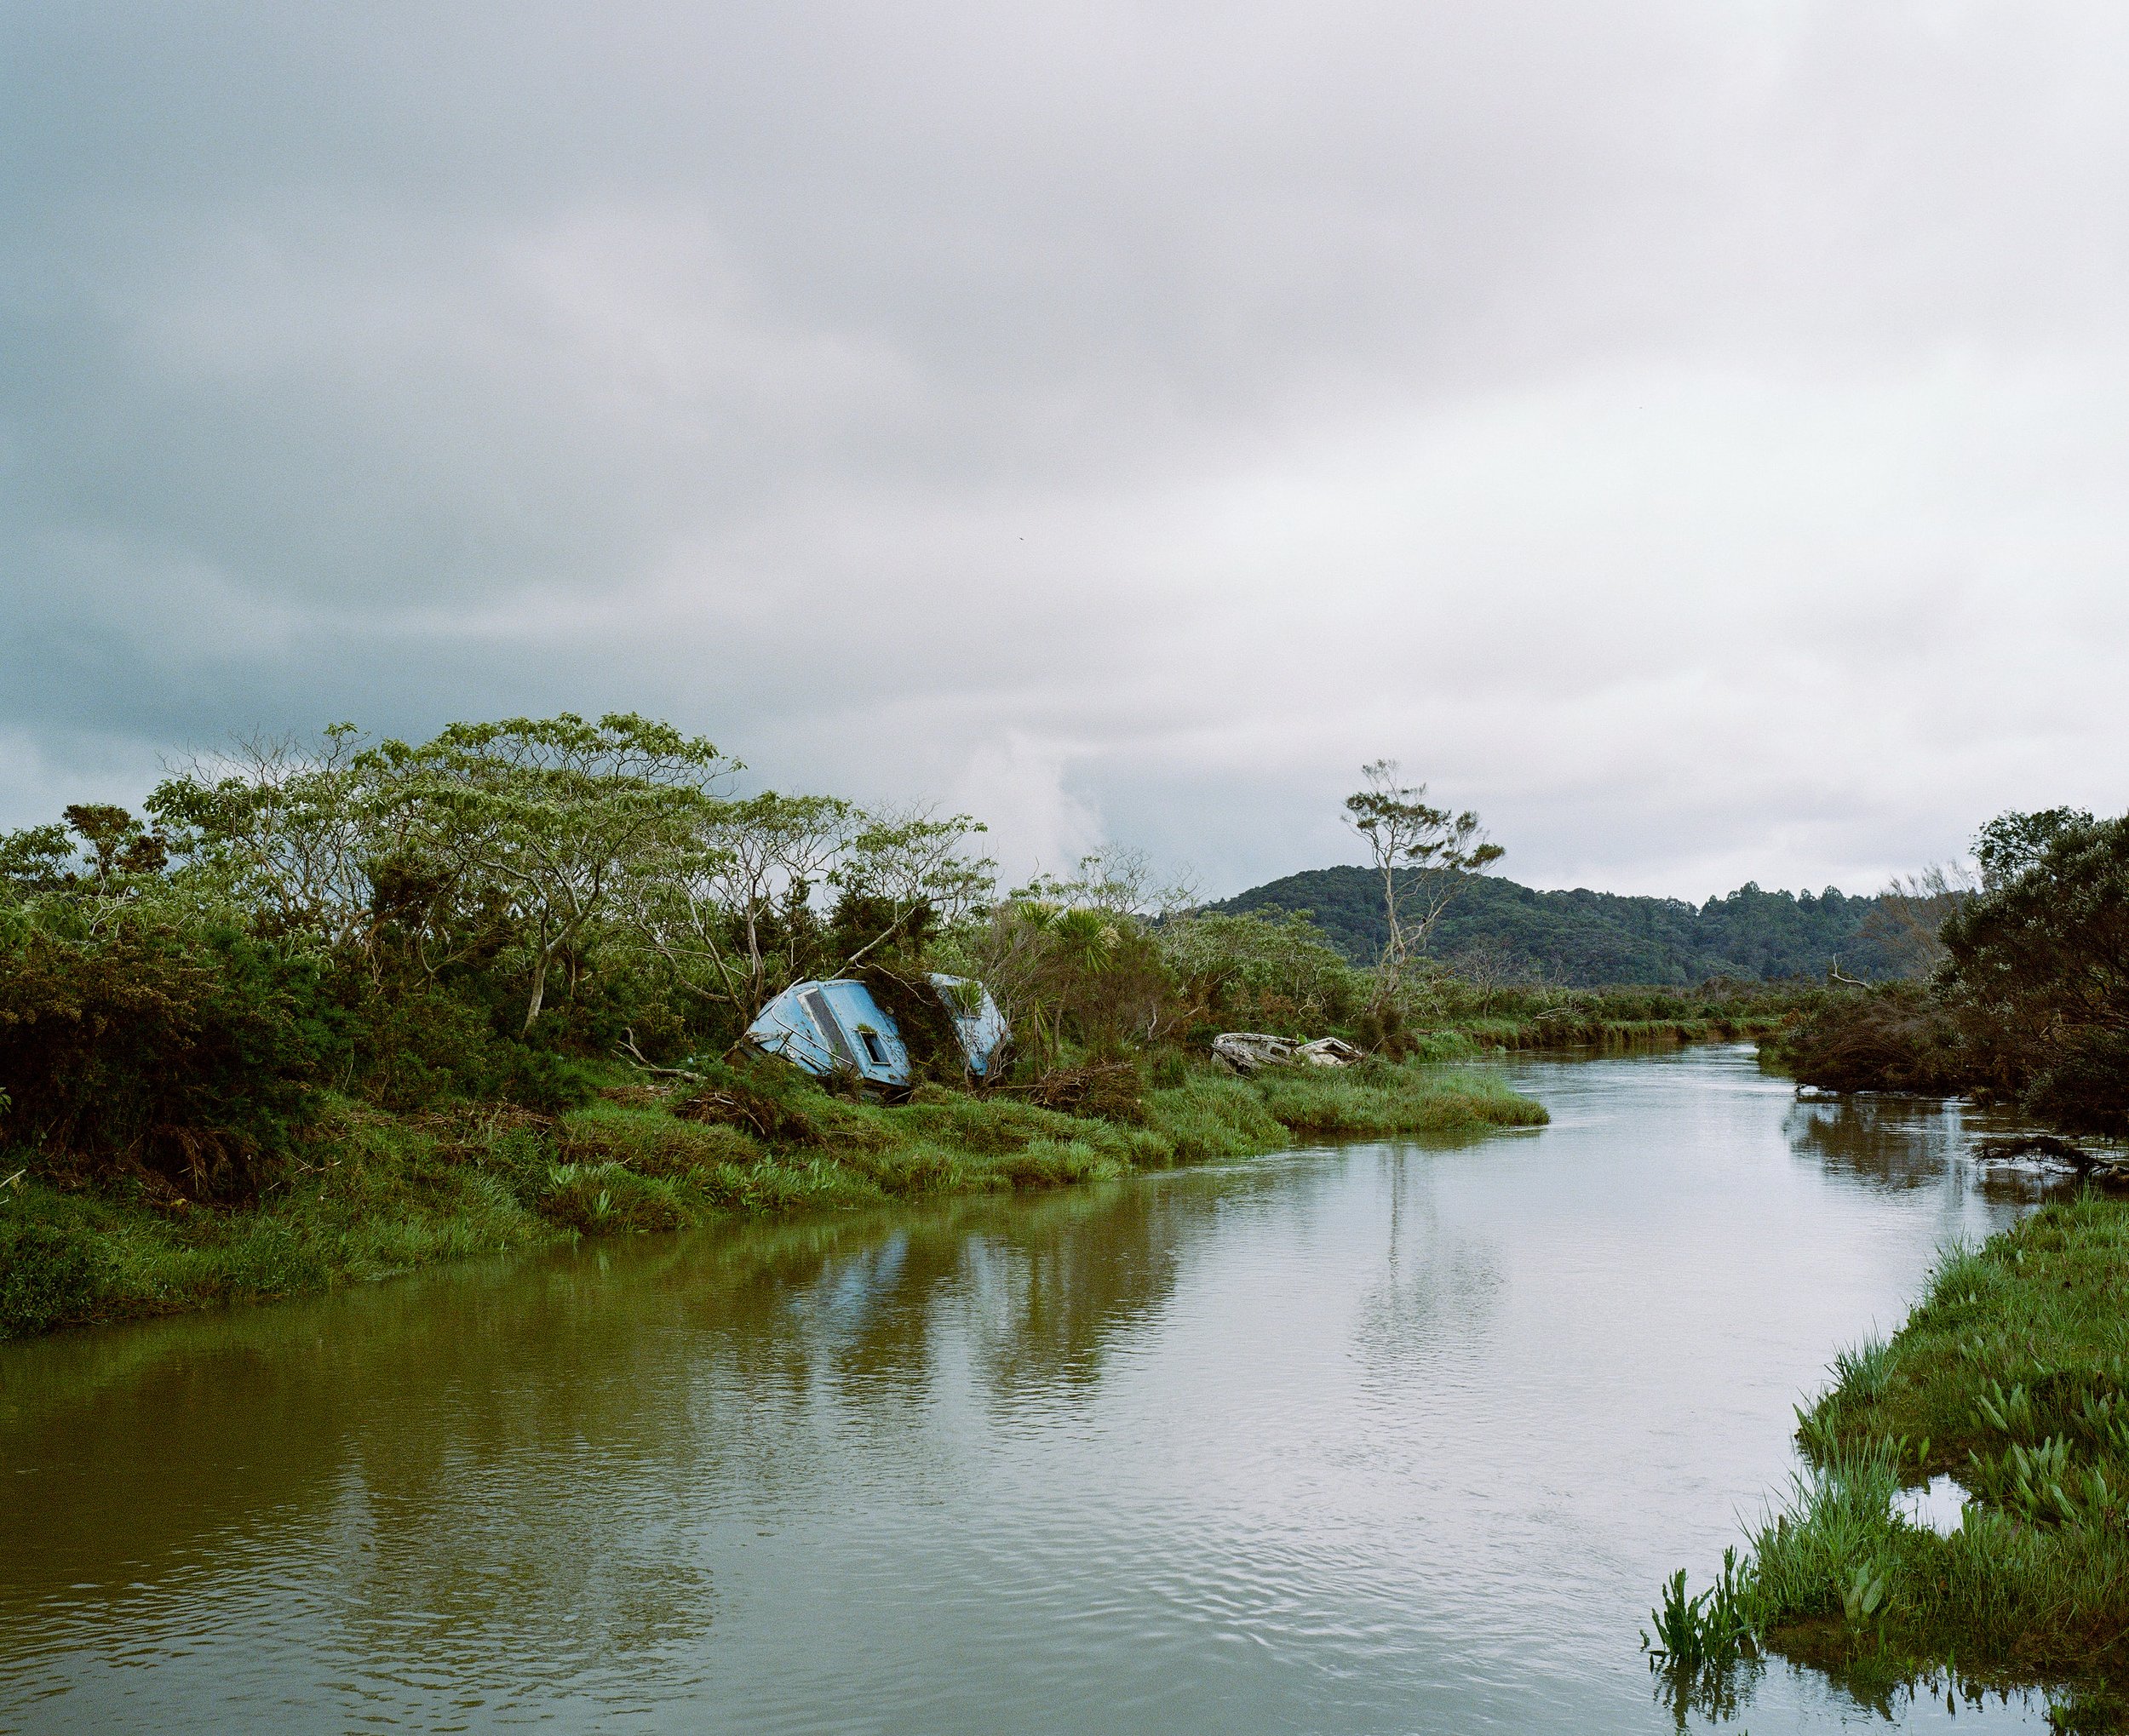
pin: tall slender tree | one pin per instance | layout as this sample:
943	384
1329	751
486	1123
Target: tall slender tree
1422	855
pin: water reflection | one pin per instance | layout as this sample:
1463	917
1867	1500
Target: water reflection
1438	1289
1903	1144
1372	1438
499	1475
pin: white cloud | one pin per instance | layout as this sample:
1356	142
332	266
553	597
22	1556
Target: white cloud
1036	824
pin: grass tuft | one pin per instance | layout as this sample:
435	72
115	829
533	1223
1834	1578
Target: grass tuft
2013	1376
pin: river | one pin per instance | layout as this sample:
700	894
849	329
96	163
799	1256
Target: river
1372	1438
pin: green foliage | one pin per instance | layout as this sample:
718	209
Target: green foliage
1705	1641
474	917
1446	1017
1379	1099
1585	939
2089	1707
377	1192
1423	857
348	1005
51	1270
605	1199
1829	1552
1711	1631
2031	1003
649	1141
147	1037
36	859
1213	1116
98	846
2039	966
549	816
775	1102
1270	971
724	902
1896	1037
271	1256
1072	963
927	1030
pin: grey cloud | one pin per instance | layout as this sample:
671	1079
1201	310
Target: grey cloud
1690	433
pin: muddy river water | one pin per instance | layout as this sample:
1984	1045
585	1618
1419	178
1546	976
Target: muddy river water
1375	1438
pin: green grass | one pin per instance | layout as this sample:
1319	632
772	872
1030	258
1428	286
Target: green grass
378	1193
2012	1375
1380	1103
1576	1031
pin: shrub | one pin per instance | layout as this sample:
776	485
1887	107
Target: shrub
1106	1090
149	1043
766	1102
2086	1084
1271	971
927	1029
1898	1037
539	1079
50	1273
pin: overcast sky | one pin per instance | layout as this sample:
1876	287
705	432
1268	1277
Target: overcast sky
1696	436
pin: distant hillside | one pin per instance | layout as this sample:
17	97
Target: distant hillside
1587	939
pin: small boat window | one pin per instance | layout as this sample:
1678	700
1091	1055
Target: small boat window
877	1055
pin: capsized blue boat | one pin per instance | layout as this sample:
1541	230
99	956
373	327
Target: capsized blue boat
836	1027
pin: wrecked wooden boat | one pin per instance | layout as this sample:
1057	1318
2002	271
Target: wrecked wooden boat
1245	1051
837	1029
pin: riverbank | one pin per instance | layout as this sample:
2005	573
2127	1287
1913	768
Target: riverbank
1576	1032
374	1193
2012	1377
1525	1019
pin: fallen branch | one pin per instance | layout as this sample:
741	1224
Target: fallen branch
2105	1165
626	1048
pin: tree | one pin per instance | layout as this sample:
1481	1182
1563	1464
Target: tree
297	831
100	849
1906	920
725	901
907	867
2038	966
119	844
2012	843
553	813
1272	970
1420	854
1075	955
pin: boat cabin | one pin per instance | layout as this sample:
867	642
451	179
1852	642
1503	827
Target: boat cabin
836	1027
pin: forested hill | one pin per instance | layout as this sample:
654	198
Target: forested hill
1585	939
